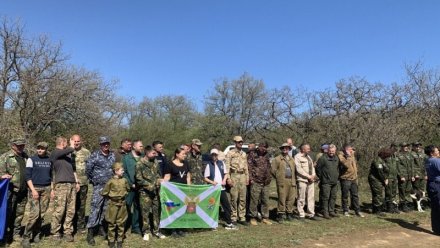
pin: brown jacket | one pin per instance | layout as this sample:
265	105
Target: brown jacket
279	169
348	167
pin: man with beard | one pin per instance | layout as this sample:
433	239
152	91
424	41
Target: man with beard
283	169
99	171
327	170
194	158
129	161
161	158
123	150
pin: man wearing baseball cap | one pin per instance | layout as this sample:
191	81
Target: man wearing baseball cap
12	167
99	171
194	158
236	161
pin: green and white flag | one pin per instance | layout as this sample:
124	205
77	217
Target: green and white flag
189	206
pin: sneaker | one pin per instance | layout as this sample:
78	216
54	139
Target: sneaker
254	222
359	214
214	229
160	235
346	214
231	227
302	219
266	221
146	237
68	238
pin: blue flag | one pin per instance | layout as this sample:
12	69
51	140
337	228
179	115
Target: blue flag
3	206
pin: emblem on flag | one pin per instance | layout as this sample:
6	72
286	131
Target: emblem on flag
189	206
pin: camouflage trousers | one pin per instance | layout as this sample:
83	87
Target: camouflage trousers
64	207
150	207
391	193
116	216
405	189
16	208
238	197
80	208
377	190
37	210
259	194
97	207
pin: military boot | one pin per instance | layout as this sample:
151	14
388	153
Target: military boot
102	231
281	218
90	238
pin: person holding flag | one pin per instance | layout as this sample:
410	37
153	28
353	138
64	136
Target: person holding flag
12	167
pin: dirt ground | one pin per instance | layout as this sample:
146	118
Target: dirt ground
405	235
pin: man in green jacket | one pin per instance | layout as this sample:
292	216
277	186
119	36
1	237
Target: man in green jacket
129	161
405	165
12	166
328	174
283	169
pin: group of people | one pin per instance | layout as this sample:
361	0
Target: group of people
126	184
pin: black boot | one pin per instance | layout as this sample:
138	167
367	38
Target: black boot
281	218
90	238
102	231
119	244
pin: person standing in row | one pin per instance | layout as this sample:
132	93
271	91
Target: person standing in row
327	170
349	180
38	179
129	161
115	190
148	180
99	171
216	173
80	156
259	179
65	187
194	158
378	180
12	166
236	162
178	171
283	169
305	177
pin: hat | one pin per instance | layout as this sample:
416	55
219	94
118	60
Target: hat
284	145
214	151
196	142
117	165
104	139
43	144
324	147
403	144
238	138
417	143
18	141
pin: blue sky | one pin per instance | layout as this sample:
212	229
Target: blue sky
179	47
